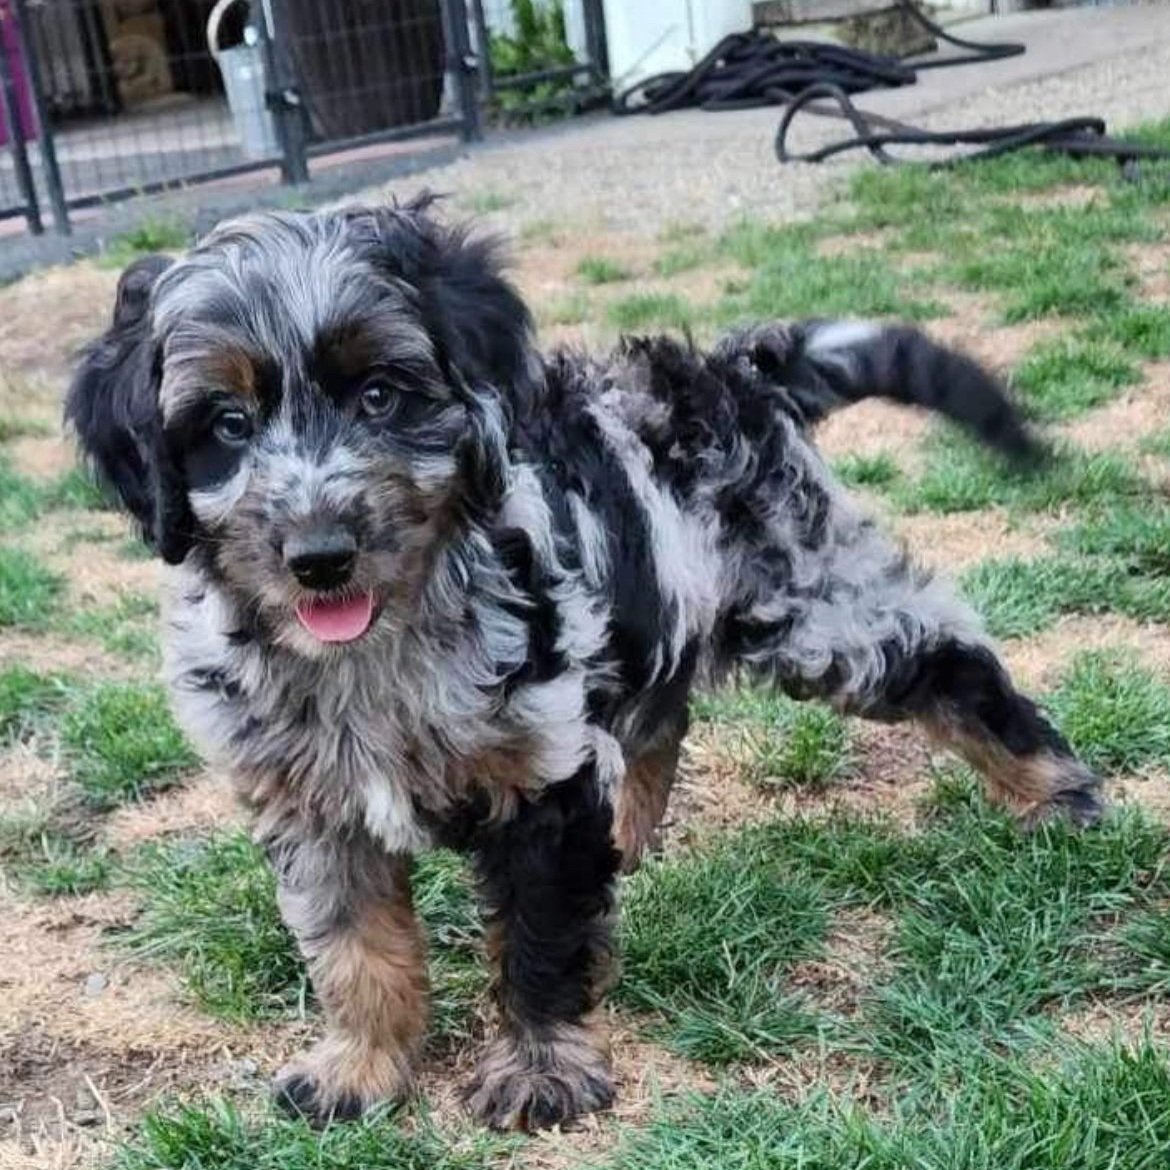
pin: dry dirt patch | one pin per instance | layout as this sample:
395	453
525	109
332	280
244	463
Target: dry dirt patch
951	543
1150	264
1136	413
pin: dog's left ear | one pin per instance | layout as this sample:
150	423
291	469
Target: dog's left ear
113	407
480	325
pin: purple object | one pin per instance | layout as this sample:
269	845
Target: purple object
10	40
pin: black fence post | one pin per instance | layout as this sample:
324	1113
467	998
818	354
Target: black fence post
461	65
49	166
596	46
284	98
483	50
10	108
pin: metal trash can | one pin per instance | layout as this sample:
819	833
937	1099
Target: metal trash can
244	82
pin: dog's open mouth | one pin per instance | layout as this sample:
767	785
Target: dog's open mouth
337	619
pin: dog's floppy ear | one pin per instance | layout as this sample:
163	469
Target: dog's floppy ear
478	321
112	405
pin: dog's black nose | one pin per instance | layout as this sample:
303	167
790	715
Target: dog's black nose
321	559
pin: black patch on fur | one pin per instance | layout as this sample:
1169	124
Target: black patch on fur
547	878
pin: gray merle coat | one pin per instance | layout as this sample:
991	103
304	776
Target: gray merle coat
430	588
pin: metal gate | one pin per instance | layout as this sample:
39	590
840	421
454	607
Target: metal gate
101	100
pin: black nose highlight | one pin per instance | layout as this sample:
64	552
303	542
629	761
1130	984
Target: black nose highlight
321	560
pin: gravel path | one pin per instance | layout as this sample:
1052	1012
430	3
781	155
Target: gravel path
636	175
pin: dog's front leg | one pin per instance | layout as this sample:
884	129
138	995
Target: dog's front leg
348	904
548	878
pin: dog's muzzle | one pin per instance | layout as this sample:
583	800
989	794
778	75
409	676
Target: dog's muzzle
322	558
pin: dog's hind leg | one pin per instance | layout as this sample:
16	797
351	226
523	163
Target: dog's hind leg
348	904
547	876
868	632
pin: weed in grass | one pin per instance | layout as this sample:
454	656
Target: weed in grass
212	1135
28	590
601	270
1115	712
122	742
869	471
152	235
646	310
1067	376
706	939
997	1114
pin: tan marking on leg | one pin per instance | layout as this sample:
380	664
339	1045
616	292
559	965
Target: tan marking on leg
641	804
370	975
1033	787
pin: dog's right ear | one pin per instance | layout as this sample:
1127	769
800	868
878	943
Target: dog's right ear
112	403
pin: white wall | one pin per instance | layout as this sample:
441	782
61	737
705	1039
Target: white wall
653	36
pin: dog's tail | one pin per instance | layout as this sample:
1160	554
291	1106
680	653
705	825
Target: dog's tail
824	365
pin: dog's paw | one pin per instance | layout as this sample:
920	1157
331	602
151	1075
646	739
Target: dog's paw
528	1083
1076	797
340	1082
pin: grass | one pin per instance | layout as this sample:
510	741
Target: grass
647	310
959	476
29	592
151	235
126	627
214	1134
868	471
707	939
1063	378
482	202
601	270
682	257
20	499
209	910
789	279
779	742
26	698
1115	712
1102	1109
122	743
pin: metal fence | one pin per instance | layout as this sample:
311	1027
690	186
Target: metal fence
104	99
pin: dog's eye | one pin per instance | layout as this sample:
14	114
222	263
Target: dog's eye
233	428
376	399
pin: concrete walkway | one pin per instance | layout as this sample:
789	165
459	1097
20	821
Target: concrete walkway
637	174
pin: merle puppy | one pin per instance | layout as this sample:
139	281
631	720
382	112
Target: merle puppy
430	588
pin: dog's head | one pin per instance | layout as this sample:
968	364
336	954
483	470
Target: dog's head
311	403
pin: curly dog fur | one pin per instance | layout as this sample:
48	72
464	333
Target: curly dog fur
430	588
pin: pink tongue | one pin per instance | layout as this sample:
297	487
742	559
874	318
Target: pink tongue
337	621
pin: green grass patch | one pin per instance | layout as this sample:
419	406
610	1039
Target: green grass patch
209	912
1067	376
960	476
570	310
1115	712
1141	331
122	743
483	202
682	258
20	499
789	279
868	471
26	698
28	590
214	1136
601	270
1136	531
650	310
1101	1109
707	939
127	627
16	427
76	489
152	235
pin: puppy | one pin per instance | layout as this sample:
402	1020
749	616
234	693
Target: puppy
430	589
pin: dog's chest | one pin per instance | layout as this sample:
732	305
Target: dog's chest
349	742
